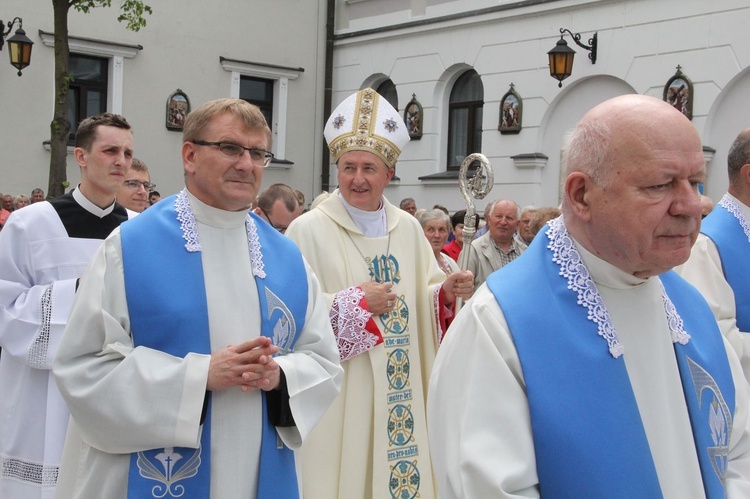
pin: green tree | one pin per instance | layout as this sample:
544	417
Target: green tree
132	13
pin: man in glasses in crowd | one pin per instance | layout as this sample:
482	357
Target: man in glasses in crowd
44	250
200	350
278	205
134	191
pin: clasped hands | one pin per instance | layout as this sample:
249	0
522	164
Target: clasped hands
249	365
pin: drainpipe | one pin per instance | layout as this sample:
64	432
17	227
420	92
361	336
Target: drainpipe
328	89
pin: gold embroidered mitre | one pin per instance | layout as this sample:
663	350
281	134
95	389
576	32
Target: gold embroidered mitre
365	121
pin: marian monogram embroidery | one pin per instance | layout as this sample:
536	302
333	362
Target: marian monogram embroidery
173	474
719	417
384	269
285	328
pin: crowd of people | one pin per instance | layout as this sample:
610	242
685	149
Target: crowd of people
225	341
12	203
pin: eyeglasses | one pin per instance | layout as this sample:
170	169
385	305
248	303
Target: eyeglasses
135	184
280	228
259	157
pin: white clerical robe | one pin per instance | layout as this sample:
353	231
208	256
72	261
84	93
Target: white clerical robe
372	442
478	413
123	400
44	249
704	271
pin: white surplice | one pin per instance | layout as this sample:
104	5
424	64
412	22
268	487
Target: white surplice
123	400
478	413
39	265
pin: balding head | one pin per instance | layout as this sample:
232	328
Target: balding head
738	167
631	198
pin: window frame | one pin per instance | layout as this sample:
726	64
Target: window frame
471	131
280	75
82	87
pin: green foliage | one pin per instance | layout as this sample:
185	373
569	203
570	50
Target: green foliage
131	11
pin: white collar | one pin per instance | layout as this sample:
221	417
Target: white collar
183	206
87	205
573	268
370	223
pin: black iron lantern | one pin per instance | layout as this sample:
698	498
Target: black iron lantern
561	57
561	61
19	45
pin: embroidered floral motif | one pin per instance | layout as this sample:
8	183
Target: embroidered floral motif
565	254
338	121
348	320
193	243
37	356
728	204
390	125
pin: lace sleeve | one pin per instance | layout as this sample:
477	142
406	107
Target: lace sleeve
353	326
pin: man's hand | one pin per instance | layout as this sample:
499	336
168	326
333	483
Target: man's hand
249	365
379	297
459	285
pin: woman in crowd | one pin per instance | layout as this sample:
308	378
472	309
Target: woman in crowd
436	227
20	201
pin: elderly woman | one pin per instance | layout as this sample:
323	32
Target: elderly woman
20	201
436	226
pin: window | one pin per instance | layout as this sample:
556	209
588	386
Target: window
267	86
465	118
259	92
388	90
99	68
87	94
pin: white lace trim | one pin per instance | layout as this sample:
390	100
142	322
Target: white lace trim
572	267
189	229
38	354
253	243
28	472
676	326
187	222
729	204
348	321
436	306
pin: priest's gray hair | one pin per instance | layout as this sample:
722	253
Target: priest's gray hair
586	149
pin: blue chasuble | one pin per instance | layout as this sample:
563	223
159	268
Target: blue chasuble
589	439
731	239
167	306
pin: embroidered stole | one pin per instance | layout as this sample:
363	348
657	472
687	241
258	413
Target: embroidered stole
401	464
729	230
166	298
589	439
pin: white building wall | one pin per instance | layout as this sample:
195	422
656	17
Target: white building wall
424	45
182	44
